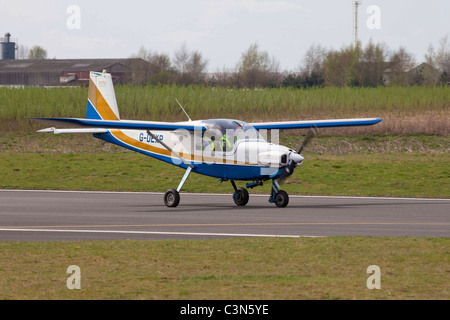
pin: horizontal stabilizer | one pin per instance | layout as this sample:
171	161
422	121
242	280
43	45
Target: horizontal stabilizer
73	131
316	123
124	124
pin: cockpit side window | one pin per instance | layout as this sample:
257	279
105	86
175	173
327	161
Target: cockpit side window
222	135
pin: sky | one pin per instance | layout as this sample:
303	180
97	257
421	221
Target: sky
221	30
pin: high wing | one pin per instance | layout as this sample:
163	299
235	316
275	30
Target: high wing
123	124
98	125
317	123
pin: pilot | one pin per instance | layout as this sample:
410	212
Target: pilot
208	143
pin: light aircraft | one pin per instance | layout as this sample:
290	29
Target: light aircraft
227	149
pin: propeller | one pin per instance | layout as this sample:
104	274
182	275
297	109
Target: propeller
308	138
289	169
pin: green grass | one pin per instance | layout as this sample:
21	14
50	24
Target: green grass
322	268
158	103
30	141
399	175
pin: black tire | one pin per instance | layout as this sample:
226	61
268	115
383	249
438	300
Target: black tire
241	197
171	198
281	199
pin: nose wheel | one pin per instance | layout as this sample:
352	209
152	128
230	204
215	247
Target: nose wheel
279	197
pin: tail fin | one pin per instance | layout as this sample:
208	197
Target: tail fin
102	104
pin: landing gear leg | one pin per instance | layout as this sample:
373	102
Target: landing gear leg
172	196
240	195
279	197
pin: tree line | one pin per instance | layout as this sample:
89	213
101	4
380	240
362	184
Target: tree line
371	65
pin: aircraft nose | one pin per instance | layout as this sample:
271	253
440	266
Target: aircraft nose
297	158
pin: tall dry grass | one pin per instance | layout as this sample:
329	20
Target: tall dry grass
403	109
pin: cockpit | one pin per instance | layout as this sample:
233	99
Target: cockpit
223	134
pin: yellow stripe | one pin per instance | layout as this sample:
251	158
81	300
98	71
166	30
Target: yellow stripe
139	144
92	95
104	109
99	103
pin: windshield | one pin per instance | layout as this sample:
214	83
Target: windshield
225	133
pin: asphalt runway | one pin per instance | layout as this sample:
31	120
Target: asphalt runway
77	216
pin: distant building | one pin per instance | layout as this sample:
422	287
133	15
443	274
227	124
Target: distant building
421	74
69	72
424	73
8	48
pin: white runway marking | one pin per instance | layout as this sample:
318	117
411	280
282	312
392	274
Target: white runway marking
165	233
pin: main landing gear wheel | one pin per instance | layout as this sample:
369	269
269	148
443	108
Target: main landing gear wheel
241	197
171	198
281	199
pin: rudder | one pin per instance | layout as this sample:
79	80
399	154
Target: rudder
102	104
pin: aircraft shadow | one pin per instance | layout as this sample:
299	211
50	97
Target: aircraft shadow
193	207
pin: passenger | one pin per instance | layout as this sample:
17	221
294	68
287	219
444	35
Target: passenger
216	144
239	134
226	144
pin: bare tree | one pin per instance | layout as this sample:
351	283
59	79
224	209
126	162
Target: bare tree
160	62
440	59
181	58
158	70
23	52
224	77
401	61
143	53
196	66
313	61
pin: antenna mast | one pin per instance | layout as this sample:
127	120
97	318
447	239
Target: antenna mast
356	4
183	109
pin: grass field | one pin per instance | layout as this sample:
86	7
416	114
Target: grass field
30	141
405	156
404	109
399	175
320	268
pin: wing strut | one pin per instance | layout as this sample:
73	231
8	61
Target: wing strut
170	149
